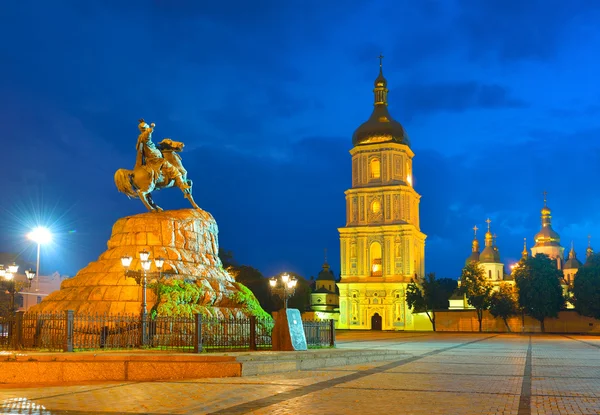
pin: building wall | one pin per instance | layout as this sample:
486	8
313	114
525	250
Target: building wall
493	271
30	296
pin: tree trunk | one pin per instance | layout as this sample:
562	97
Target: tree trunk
506	324
542	326
480	318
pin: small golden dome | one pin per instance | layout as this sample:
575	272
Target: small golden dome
546	211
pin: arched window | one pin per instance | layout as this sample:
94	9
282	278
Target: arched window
490	274
375	206
375	256
375	168
498	274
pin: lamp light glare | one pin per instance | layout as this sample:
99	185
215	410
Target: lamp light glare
2	271
40	235
146	265
13	268
159	262
126	261
285	278
273	282
144	255
30	274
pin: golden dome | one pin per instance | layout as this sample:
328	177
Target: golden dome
380	127
546	211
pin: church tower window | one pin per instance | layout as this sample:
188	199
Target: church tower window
376	264
375	206
375	168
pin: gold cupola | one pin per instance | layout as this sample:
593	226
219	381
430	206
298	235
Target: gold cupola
524	253
490	253
474	247
589	251
546	236
572	262
380	127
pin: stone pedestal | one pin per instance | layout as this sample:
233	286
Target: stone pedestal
188	241
288	333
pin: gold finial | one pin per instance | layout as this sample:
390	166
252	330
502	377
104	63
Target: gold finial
488	220
525	244
545	198
475	229
381	61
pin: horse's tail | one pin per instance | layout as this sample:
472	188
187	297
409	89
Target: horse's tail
124	184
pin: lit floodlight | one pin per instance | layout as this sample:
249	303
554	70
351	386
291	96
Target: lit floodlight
144	255
285	278
293	282
126	261
146	265
13	268
40	235
273	282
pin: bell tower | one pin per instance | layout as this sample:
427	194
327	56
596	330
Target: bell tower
382	247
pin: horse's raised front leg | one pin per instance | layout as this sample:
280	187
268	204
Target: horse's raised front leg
144	200
188	195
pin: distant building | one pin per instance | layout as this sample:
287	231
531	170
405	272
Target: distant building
29	296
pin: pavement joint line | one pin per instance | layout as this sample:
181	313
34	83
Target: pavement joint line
525	398
431	390
250	406
584	342
80	391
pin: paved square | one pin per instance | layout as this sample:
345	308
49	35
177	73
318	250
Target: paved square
444	374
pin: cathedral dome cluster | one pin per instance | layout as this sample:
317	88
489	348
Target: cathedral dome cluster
547	241
380	127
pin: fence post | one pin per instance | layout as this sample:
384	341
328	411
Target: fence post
198	333
332	333
252	332
17	330
69	318
144	317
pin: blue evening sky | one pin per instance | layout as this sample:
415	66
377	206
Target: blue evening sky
501	99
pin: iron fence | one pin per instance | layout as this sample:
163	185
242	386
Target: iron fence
319	333
68	331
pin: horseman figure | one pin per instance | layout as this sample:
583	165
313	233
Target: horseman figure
154	169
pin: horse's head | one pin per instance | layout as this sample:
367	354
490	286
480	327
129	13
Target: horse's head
169	145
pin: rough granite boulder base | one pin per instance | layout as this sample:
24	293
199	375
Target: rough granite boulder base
188	241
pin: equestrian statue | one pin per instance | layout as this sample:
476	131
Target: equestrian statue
156	167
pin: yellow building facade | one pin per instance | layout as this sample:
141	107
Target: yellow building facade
381	247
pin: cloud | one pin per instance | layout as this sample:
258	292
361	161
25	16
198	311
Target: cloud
424	99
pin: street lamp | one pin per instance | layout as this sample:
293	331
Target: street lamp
284	287
9	275
141	276
40	236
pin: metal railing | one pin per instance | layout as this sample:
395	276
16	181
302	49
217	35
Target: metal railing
68	331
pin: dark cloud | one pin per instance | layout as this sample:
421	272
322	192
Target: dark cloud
454	97
513	30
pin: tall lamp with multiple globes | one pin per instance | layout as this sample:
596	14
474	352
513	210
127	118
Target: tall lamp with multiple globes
8	274
40	236
284	287
141	277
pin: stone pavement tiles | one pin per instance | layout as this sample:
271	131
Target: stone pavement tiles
446	374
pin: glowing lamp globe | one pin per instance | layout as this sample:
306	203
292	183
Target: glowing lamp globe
40	235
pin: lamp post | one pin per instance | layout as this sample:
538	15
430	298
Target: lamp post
9	275
40	236
141	277
284	287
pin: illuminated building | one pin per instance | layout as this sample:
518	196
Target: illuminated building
382	247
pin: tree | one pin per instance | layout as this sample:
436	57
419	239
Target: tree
429	294
477	288
503	304
256	282
586	288
538	283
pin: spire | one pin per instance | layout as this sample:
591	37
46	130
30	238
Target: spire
524	254
589	251
380	90
572	251
325	264
546	212
475	244
488	235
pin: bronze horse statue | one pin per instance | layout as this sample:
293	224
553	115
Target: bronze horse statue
155	173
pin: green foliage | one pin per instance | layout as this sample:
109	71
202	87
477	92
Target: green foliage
503	303
178	298
256	282
248	301
429	294
586	288
538	283
477	288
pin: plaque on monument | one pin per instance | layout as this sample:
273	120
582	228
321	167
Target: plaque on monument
288	333
294	320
